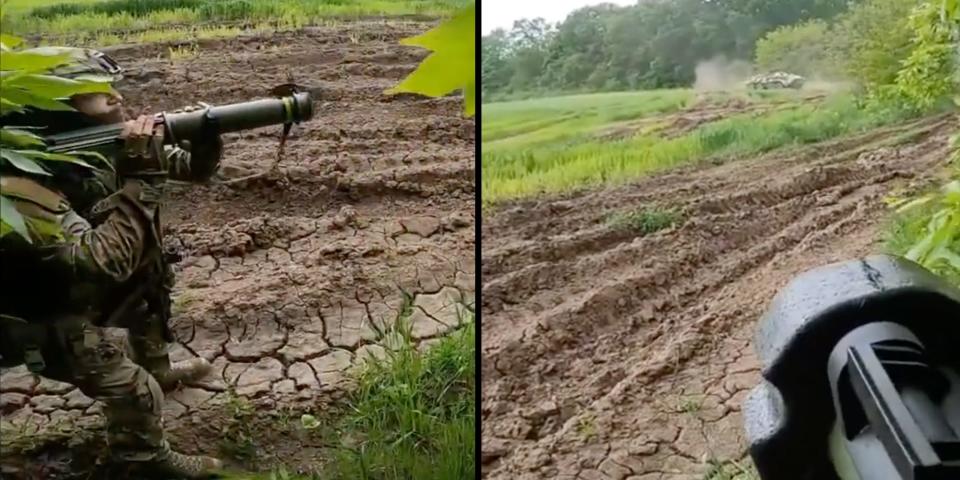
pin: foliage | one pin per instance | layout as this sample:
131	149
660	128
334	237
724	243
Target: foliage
873	39
927	229
803	49
652	44
25	82
927	74
451	65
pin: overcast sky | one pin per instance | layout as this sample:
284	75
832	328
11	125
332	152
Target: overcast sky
502	13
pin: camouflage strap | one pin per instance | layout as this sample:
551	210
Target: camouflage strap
69	332
32	337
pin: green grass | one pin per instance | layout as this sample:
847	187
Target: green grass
531	162
103	22
411	416
533	122
731	470
644	221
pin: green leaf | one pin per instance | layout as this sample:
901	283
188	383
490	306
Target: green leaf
12	218
25	98
44	229
451	66
6	106
9	41
56	87
95	155
56	157
19	138
21	162
32	62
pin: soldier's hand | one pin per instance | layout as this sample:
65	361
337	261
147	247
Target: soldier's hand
142	147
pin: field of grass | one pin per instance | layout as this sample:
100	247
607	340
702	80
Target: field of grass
541	121
548	145
106	22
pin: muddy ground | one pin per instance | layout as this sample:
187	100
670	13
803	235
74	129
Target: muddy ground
611	355
288	281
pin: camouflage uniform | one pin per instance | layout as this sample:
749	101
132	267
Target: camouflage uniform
106	268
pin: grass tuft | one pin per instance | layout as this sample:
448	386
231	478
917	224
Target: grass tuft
412	415
644	221
731	470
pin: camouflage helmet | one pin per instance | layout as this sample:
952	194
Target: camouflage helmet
84	62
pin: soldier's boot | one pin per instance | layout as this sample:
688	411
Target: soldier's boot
178	465
183	371
135	427
149	349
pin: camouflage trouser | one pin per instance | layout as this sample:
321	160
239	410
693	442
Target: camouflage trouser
147	342
75	352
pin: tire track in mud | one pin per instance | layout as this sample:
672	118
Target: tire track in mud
289	281
611	355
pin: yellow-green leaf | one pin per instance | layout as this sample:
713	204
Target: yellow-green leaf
6	106
19	138
96	155
31	62
56	157
10	217
451	66
56	87
22	97
44	229
20	161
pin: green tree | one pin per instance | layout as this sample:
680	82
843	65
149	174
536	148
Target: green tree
927	76
494	71
528	47
873	39
804	49
652	44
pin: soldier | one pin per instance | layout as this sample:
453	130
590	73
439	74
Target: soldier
107	267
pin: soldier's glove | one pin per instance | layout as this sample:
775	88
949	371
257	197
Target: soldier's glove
205	147
143	156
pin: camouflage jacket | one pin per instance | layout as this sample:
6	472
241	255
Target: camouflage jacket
95	242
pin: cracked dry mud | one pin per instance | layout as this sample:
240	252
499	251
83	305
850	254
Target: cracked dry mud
288	281
609	355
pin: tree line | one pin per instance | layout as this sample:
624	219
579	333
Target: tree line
653	44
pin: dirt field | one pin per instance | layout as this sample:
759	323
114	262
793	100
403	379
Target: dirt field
288	281
610	355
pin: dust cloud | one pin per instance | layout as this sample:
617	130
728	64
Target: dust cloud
719	73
